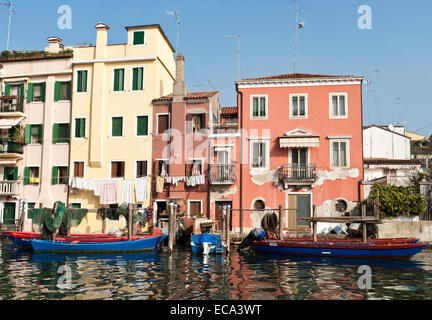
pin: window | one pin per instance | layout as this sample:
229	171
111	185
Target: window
117	169
81	81
79	169
61	132
338	105
137	79
298	106
10	173
259	205
62	91
60	175
141	168
142	125
114	213
118	80
80	124
33	133
36	92
117	127
339	153
161	168
197	122
195	208
76	205
162	123
194	167
259	107
31	175
138	38
30	206
259	154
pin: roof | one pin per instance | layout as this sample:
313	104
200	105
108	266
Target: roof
386	129
152	26
298	76
190	95
228	111
391	161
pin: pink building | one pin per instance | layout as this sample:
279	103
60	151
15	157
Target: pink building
301	146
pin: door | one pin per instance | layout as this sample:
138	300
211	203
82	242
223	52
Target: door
299	163
223	168
299	205
219	210
9	213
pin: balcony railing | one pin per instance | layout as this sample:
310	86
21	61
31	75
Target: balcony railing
297	172
11	147
10	104
222	173
9	188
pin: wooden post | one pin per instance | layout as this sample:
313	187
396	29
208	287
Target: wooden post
241	224
224	222
364	226
228	236
280	222
171	228
130	218
314	225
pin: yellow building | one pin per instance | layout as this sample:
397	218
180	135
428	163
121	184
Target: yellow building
111	123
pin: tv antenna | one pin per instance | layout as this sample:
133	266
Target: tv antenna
299	25
11	11
176	14
238	52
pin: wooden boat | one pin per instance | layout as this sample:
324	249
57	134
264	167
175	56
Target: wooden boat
330	248
355	240
142	244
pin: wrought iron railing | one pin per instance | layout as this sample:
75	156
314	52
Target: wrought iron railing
11	104
11	147
292	171
222	173
9	188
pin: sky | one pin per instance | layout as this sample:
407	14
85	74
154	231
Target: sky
394	55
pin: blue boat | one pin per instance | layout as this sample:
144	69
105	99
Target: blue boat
146	244
207	243
340	249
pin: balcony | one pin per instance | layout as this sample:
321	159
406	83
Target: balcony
222	174
9	188
297	174
10	106
11	149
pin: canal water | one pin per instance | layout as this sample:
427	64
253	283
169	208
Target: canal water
157	276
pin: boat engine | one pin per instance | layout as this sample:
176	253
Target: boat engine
255	234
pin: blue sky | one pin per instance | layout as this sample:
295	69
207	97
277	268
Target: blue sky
395	54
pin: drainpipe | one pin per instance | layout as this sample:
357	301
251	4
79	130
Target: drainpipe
240	108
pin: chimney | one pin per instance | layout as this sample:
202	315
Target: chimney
54	44
179	90
101	39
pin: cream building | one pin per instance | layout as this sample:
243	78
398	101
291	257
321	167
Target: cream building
111	122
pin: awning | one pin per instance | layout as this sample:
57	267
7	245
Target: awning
8	123
6	162
299	142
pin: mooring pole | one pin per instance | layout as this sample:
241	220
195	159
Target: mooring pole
241	224
364	226
130	215
280	222
224	223
228	223
171	228
314	225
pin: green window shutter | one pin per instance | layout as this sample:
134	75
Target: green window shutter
137	79
5	173
117	127
70	91
7	90
68	134
79	81
30	92
27	135
138	37
55	132
255	107
142	126
15	174
82	127
57	88
55	172
84	81
43	90
119	80
21	95
40	133
116	80
26	175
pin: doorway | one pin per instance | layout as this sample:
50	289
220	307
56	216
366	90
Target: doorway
301	208
219	210
9	213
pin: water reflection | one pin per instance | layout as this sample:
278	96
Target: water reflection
28	275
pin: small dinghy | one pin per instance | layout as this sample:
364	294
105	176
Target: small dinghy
206	243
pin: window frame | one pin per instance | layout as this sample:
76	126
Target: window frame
331	95
265	117
72	173
291	109
124	168
347	153
113	80
76	81
136	125
74	128
267	153
37	84
193	200
144	38
131	78
111	127
191	160
42	129
157	122
136	168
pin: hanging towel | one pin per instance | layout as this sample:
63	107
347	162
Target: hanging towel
159	184
108	193
141	189
126	192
